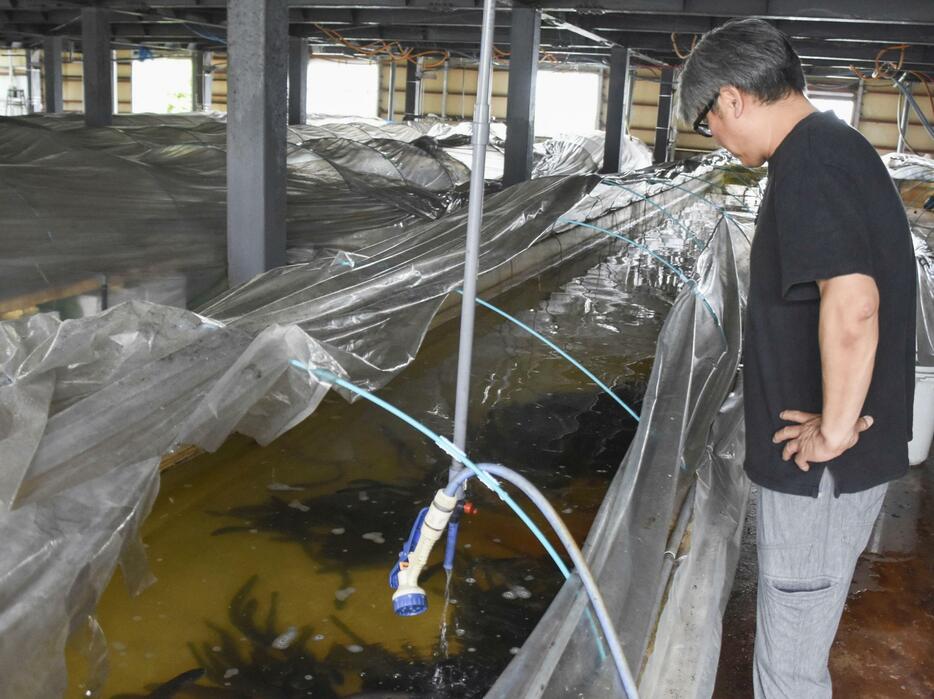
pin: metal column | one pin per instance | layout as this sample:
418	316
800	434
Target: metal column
391	97
197	81
858	107
444	92
413	83
98	66
660	152
256	130
524	38
52	65
207	80
616	108
33	81
298	80
903	123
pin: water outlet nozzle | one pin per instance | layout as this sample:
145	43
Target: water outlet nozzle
409	599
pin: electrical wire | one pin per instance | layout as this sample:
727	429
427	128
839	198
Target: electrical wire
678	52
393	49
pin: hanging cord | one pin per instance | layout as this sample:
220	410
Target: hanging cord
884	69
393	49
678	52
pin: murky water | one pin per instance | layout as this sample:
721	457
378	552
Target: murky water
272	563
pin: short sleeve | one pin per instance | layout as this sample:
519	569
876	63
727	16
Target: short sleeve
822	231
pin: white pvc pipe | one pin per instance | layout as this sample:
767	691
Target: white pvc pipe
481	138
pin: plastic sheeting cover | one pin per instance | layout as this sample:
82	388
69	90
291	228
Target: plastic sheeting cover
694	372
87	406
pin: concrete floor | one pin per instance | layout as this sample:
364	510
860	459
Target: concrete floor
885	642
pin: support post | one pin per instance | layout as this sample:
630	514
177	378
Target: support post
903	124
298	80
616	108
524	39
97	66
413	83
858	107
256	132
660	152
52	65
444	91
197	80
391	97
33	81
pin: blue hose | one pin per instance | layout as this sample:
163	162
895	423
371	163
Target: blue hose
589	374
580	565
681	275
451	449
665	212
445	445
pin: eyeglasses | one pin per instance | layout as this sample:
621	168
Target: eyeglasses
700	123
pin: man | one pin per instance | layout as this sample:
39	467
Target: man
829	341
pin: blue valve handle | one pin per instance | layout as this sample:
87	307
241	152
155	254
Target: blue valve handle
451	544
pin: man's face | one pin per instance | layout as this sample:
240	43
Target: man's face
735	132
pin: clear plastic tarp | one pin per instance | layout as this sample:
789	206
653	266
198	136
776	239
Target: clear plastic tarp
138	210
690	431
665	544
89	405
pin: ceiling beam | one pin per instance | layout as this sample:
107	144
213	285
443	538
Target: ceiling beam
899	11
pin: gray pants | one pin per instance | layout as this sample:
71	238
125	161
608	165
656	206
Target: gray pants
808	548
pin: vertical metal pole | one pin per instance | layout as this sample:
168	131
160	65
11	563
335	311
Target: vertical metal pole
601	78
481	138
256	130
413	79
391	97
463	88
52	64
660	153
197	80
672	125
524	35
33	81
617	97
858	107
444	92
207	80
97	66
632	75
298	80
902	124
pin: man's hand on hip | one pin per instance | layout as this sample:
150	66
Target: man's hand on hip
808	444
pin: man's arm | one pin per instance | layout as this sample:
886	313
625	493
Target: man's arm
849	335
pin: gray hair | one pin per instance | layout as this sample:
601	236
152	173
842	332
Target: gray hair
749	54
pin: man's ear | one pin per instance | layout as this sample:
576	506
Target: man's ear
732	102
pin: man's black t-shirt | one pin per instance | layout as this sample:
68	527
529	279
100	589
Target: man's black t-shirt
830	209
